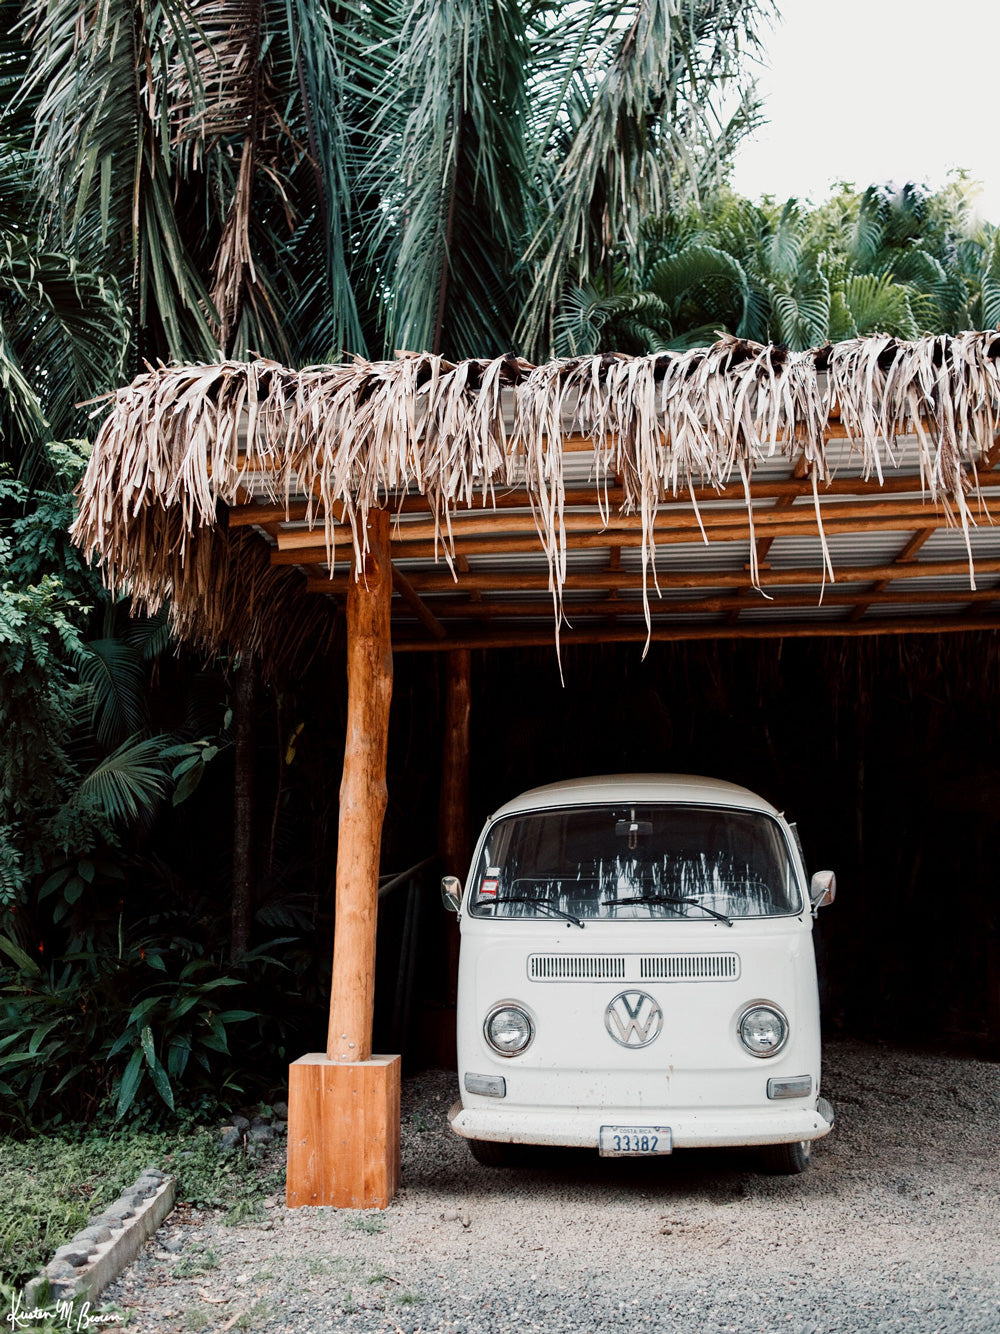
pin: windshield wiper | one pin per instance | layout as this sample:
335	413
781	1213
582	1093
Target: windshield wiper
670	898
538	903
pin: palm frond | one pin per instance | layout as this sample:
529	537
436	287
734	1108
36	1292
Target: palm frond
113	673
630	321
878	304
648	138
102	154
990	285
451	171
800	311
23	426
130	781
68	323
339	57
695	266
783	247
867	234
149	636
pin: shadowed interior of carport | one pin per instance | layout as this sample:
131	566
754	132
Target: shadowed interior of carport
736	493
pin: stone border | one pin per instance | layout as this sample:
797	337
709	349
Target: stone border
108	1244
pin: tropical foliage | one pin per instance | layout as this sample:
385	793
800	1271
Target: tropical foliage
904	262
302	179
185	179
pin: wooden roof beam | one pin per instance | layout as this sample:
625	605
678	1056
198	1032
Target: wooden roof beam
452	611
527	544
912	512
907	554
261	513
416	604
430	581
611	633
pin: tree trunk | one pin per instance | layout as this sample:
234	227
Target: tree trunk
453	826
453	818
244	715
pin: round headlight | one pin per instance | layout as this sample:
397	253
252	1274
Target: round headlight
763	1030
508	1030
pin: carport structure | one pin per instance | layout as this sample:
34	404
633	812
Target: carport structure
738	491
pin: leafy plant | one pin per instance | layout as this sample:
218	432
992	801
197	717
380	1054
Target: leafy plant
900	262
95	1026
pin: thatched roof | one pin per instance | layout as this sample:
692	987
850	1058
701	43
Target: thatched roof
181	445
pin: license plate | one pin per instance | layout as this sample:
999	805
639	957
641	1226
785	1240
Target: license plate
634	1141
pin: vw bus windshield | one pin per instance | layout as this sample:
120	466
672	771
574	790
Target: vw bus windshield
628	862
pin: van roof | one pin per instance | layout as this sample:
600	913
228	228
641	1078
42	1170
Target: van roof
615	788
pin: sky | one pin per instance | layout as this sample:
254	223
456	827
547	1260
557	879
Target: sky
872	91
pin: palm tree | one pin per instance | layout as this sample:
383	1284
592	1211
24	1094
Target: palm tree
306	178
901	262
62	322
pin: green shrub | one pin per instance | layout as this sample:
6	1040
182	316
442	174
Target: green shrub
98	1029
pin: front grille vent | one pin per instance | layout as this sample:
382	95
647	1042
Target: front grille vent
689	967
576	967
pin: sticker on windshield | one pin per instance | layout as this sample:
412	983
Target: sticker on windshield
490	883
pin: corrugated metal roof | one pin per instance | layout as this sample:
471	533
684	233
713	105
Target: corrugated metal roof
859	528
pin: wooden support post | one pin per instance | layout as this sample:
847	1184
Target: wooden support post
343	1106
453	817
453	823
362	799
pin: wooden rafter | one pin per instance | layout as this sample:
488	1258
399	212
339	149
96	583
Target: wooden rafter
519	544
611	632
457	610
427	581
922	535
264	514
521	524
416	604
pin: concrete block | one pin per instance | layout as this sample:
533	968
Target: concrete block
105	1259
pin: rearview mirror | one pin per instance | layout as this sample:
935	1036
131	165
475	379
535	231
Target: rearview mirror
451	892
823	889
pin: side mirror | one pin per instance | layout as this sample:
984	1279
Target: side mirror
451	892
823	889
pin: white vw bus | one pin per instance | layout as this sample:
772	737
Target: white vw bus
637	974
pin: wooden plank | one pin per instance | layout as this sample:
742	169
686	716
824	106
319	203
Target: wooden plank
453	821
245	515
343	1132
428	581
462	565
614	633
522	525
575	442
362	799
528	543
416	604
908	553
453	612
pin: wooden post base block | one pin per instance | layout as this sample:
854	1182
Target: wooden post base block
343	1132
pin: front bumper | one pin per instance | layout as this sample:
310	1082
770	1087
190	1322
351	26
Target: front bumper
691	1129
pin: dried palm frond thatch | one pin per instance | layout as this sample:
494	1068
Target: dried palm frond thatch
180	441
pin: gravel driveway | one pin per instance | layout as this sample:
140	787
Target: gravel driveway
896	1226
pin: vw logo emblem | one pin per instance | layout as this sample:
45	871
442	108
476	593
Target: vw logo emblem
633	1019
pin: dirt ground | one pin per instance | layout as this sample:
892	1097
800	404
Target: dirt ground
896	1226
